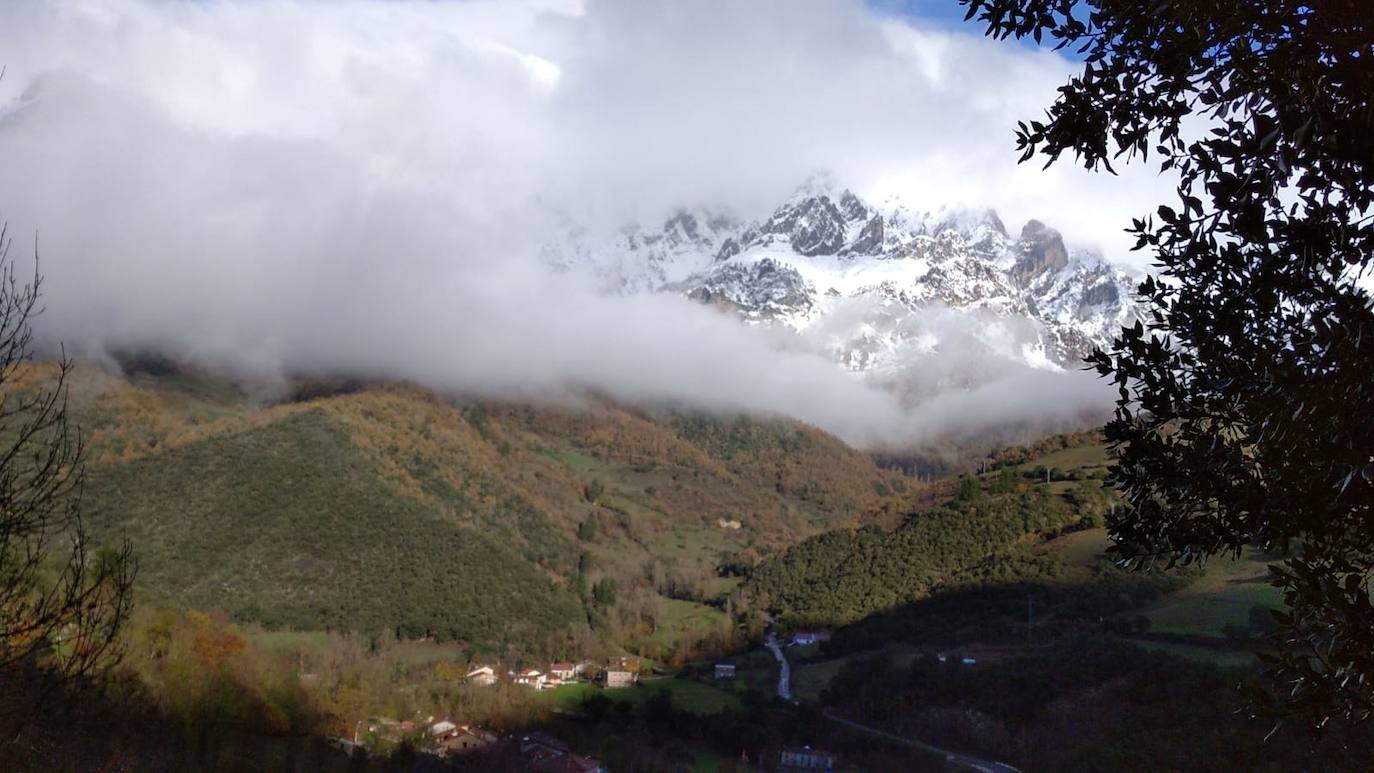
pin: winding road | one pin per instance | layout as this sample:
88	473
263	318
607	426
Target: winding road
962	760
785	675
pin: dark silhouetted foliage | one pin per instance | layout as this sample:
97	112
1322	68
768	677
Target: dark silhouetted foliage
1083	704
1245	399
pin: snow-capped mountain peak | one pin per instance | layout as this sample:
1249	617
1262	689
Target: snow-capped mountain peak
867	279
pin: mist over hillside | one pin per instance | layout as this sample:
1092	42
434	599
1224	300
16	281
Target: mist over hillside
365	191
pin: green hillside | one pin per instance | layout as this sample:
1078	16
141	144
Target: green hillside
289	524
843	576
376	508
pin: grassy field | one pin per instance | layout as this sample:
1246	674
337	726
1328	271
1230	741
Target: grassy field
580	462
570	697
1221	657
678	619
688	694
1078	458
1081	548
810	679
1224	596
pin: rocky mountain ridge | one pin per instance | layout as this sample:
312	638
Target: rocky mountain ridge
876	286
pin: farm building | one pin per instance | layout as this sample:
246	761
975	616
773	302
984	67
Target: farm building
803	638
792	760
465	739
483	675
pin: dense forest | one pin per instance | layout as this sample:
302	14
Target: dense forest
841	577
285	528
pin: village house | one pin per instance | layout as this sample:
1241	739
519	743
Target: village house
725	670
442	729
465	739
530	677
563	670
793	760
803	638
483	675
617	677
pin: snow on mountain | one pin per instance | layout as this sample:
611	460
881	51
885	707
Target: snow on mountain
877	286
636	259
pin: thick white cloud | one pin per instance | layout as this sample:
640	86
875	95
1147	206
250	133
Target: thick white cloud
296	185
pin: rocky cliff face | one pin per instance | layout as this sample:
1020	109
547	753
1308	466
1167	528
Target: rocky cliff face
877	286
1039	251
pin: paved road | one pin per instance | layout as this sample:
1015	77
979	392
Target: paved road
785	675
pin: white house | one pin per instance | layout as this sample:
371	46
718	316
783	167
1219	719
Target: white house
532	677
563	670
804	759
803	638
483	675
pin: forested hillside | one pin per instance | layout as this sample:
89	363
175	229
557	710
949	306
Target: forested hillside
377	508
285	524
997	624
844	576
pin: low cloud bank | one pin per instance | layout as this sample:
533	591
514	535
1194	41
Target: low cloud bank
360	188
